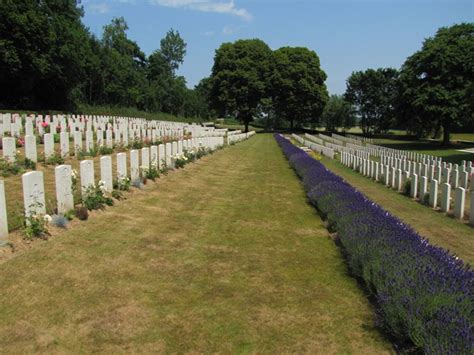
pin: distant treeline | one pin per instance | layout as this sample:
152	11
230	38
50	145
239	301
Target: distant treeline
50	60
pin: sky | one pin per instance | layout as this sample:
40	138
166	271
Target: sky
347	35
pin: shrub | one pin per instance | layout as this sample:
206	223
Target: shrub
95	197
122	184
424	294
59	220
55	159
407	187
151	173
36	226
104	150
82	213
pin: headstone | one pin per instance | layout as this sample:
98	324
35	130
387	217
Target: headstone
168	154
9	149
33	193
100	137
145	158
387	175
77	142
109	139
434	193
48	145
64	144
414	186
30	148
445	197
464	179
106	172
161	156
87	175
134	165
423	187
154	156
89	141
459	202
122	166
471	210
3	213
64	194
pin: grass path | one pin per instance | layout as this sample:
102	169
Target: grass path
223	256
439	229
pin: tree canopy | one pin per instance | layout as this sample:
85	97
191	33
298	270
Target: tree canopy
436	86
240	78
338	113
372	93
297	85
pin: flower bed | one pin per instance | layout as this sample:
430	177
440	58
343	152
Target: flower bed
424	293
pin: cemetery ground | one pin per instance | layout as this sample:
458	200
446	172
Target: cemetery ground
446	232
224	255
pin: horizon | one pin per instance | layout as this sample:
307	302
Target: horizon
375	37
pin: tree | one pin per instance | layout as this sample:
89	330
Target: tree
240	78
297	85
373	92
436	88
338	113
42	48
173	49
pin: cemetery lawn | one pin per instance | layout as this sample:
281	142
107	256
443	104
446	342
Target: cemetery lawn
223	256
435	226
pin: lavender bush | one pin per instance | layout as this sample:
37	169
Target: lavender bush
424	293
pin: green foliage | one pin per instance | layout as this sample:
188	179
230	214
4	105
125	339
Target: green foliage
173	49
96	198
407	187
297	86
437	83
372	94
122	184
104	150
338	113
54	159
240	78
151	173
36	227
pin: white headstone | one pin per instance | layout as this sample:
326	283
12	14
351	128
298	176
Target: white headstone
106	172
434	193
30	148
48	145
161	156
154	156
109	139
471	210
87	175
414	186
122	166
134	165
89	141
64	144
3	213
9	149
145	157
33	193
77	142
459	202
64	194
168	154
445	197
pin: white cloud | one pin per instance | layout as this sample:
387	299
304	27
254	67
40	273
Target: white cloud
207	33
229	30
100	8
219	6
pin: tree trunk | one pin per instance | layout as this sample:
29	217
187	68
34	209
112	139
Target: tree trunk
446	134
291	123
246	123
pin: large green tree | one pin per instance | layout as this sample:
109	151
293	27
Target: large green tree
338	113
173	49
240	78
437	83
297	85
43	45
372	93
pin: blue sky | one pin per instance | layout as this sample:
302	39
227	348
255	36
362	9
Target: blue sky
347	35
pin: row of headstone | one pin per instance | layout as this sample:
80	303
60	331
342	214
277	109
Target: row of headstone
421	186
156	156
326	151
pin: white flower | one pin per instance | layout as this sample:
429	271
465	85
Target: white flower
47	218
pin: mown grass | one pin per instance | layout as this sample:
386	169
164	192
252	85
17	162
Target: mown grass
223	256
450	153
440	230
